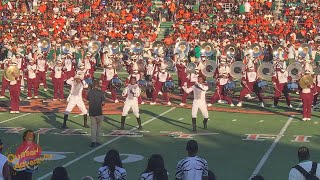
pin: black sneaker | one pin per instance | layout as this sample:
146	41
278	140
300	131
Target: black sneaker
93	144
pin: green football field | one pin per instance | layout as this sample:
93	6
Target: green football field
236	145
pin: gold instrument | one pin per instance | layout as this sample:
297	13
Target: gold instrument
44	44
209	68
295	70
156	46
191	68
236	69
278	50
304	49
94	47
11	72
265	71
137	46
182	48
230	50
113	46
206	49
306	81
256	50
66	46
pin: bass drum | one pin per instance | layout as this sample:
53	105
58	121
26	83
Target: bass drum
168	86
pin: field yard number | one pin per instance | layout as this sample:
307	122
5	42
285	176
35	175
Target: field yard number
262	137
130	158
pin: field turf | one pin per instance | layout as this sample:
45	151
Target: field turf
230	144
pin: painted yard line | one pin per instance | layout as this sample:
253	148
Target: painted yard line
234	120
76	115
1	113
316	122
22	115
261	121
180	119
273	145
106	143
128	117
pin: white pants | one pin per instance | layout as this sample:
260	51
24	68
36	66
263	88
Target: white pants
76	101
131	104
202	105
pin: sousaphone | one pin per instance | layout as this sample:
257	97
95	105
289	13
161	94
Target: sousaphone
304	49
182	48
295	70
209	68
94	47
236	69
230	50
256	50
113	46
265	71
207	49
11	71
156	46
66	47
44	44
137	46
278	50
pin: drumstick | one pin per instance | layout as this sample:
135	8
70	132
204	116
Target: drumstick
38	138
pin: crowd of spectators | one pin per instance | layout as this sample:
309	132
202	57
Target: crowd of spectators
26	21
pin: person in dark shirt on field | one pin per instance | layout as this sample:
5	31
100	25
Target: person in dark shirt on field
96	100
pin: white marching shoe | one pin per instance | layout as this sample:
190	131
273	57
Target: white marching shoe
220	102
35	97
308	119
262	105
290	106
181	104
249	96
2	97
169	103
231	105
116	101
239	104
153	103
209	105
304	119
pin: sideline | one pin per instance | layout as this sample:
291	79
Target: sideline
14	118
106	143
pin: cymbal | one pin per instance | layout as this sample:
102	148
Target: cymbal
306	81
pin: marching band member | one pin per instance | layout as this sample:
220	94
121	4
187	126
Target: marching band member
220	93
149	72
182	73
15	93
307	96
32	79
192	78
159	79
248	82
280	80
69	66
199	90
89	64
82	72
75	99
21	64
42	67
5	83
132	92
106	77
316	81
317	56
138	77
58	81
